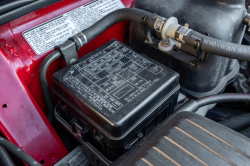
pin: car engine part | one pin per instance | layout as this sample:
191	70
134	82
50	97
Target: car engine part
74	158
201	74
116	96
178	143
96	82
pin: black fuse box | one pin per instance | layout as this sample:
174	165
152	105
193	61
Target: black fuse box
116	96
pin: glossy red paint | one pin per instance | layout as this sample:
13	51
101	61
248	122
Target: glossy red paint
22	105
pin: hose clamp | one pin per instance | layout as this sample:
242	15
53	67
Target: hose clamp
183	31
80	39
159	23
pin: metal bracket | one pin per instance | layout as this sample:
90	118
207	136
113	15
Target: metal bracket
69	51
202	56
149	39
80	39
159	23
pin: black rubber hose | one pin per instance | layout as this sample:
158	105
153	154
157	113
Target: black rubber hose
218	47
9	6
5	159
219	114
237	123
44	83
126	14
194	105
18	152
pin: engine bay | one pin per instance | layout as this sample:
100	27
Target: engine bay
124	82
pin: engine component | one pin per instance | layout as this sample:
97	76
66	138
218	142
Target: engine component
237	123
74	158
116	96
88	35
218	114
194	105
190	139
200	74
242	82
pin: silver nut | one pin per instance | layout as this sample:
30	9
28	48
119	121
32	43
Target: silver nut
165	43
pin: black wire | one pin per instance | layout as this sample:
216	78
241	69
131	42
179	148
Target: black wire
18	152
5	159
224	98
44	83
194	105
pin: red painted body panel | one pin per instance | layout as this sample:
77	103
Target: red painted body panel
22	105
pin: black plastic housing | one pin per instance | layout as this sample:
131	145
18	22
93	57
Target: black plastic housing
221	19
90	90
189	139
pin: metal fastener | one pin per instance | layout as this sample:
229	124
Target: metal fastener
165	43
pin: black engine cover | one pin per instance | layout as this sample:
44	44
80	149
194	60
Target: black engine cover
221	19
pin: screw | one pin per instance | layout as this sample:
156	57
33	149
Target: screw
165	42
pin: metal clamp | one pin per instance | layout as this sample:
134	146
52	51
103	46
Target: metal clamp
80	39
159	23
149	39
202	56
69	51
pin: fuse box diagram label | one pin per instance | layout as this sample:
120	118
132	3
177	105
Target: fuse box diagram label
112	78
46	36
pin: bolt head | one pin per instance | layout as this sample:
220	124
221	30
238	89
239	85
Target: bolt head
165	43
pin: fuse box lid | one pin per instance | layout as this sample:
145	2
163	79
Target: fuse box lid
115	87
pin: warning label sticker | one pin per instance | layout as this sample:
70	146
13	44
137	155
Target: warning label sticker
46	36
113	77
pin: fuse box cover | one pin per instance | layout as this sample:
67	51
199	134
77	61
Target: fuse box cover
115	88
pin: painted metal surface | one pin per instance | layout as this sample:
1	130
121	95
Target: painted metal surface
22	107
